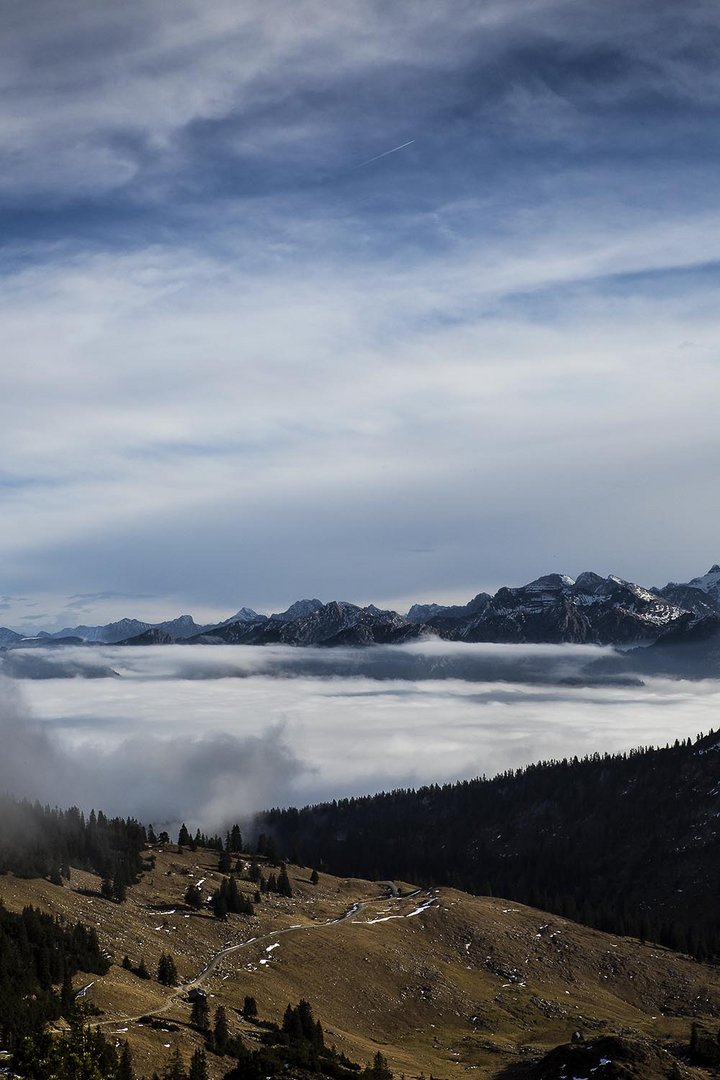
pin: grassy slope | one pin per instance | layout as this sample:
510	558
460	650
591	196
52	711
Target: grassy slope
469	983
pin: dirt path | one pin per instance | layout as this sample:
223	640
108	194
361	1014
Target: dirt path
180	992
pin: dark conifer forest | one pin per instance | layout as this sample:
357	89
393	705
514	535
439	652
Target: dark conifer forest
40	841
627	843
38	957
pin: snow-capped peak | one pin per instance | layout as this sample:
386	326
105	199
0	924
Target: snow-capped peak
710	582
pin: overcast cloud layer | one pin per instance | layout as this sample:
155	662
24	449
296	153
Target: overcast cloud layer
243	361
211	735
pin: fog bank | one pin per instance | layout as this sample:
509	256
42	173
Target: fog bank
210	734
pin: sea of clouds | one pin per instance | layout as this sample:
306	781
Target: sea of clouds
209	735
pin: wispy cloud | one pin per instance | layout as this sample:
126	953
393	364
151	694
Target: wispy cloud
213	324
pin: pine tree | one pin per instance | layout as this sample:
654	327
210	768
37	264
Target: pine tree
249	1007
200	1015
198	1066
221	1032
125	1069
119	885
283	883
314	877
67	997
175	1069
183	836
193	897
379	1069
219	905
166	971
292	1025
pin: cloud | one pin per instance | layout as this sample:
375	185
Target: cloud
188	453
209	734
421	661
175	97
215	325
210	777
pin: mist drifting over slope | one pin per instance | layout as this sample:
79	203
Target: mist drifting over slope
208	735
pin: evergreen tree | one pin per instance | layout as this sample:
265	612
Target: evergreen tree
183	836
175	1069
283	883
125	1069
198	1066
219	905
221	1031
292	1025
119	885
193	897
67	997
249	1007
379	1069
314	877
166	971
200	1016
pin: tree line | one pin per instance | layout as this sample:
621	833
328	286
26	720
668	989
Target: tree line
43	841
623	842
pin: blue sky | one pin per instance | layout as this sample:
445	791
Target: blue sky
242	362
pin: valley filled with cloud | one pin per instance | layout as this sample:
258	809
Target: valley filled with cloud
210	734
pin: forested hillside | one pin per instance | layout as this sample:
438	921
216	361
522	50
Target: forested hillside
626	842
40	841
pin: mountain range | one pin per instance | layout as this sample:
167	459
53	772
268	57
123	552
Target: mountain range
553	609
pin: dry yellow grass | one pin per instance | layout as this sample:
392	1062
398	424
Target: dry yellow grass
467	984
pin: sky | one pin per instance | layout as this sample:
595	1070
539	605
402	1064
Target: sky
210	736
365	301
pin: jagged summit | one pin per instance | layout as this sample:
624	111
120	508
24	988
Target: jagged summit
299	610
553	608
245	614
589	581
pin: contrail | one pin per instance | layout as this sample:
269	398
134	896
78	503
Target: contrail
385	154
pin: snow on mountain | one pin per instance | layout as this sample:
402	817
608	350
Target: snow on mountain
708	583
245	614
299	610
553	608
700	595
420	613
109	634
182	627
336	623
556	608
